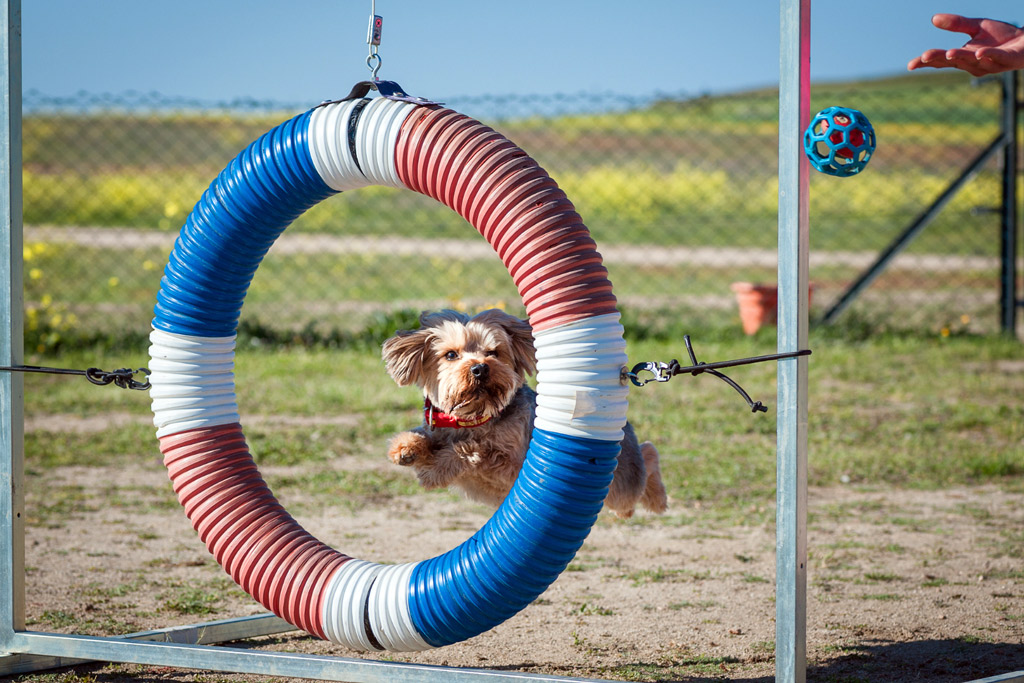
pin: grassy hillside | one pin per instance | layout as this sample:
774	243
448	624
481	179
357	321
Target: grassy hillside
665	172
658	173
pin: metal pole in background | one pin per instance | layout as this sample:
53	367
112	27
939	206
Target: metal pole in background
1009	298
791	465
12	565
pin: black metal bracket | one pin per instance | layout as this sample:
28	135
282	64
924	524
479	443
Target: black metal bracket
387	89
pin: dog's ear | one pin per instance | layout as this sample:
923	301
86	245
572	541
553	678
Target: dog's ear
403	356
521	335
436	318
405	353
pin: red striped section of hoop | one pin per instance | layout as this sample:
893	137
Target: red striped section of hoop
515	205
257	542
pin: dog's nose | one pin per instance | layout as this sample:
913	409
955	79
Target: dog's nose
480	370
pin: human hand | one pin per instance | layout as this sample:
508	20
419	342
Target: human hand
994	47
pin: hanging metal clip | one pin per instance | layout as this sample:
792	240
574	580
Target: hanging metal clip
663	372
387	89
373	33
124	378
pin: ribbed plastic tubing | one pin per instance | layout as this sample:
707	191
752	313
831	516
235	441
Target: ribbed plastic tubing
581	407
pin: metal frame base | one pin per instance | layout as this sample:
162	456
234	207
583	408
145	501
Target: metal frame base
36	651
208	633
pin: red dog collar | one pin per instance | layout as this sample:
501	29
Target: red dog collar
438	418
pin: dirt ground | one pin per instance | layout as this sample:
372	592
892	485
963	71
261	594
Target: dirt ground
902	585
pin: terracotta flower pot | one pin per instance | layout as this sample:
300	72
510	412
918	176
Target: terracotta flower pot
759	304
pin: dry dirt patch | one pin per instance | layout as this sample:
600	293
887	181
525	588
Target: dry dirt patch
902	585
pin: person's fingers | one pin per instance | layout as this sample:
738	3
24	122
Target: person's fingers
959	56
978	57
966	60
995	54
918	64
933	58
957	24
986	67
1004	59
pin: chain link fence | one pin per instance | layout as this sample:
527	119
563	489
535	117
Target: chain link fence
679	192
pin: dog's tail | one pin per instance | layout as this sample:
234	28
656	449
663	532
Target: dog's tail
654	497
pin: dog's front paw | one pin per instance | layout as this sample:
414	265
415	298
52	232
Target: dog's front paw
409	448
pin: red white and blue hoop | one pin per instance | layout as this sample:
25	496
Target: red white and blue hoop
582	398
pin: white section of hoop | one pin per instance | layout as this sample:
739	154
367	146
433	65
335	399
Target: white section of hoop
361	592
193	382
389	613
345	602
580	391
376	136
191	341
168	387
329	146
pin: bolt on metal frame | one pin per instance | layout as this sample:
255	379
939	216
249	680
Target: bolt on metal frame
181	647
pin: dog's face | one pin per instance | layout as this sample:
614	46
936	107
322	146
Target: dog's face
467	367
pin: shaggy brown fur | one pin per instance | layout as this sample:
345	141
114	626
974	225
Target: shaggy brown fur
474	368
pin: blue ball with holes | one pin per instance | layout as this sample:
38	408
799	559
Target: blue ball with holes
839	141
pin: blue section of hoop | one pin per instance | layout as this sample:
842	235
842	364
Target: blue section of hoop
523	548
266	187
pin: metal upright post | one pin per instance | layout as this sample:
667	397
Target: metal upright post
1010	247
12	590
791	466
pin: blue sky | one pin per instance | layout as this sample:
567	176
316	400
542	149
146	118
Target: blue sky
302	51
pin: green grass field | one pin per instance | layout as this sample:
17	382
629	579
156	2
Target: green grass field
903	411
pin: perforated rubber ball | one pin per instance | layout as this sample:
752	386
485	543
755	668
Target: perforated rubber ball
839	141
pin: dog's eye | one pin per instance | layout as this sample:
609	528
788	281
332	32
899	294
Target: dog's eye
491	354
451	355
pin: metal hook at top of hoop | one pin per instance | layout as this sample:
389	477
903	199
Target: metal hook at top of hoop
387	89
373	63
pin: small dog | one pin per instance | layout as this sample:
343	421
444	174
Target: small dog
478	414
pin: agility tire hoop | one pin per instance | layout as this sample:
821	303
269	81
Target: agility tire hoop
582	400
